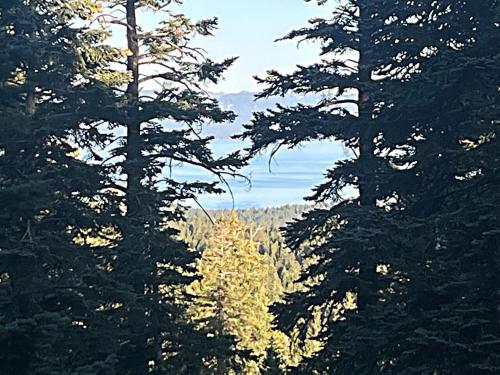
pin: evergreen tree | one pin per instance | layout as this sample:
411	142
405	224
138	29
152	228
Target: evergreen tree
153	131
445	318
48	320
265	225
262	225
350	80
231	298
376	62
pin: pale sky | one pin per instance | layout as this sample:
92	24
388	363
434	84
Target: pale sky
248	28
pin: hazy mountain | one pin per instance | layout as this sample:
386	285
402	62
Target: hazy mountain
244	105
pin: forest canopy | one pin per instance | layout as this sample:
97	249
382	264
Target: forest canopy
110	263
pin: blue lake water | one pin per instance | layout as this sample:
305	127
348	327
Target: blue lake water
292	176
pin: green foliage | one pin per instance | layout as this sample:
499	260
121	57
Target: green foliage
408	244
264	225
447	305
394	270
48	320
84	255
144	133
279	271
231	297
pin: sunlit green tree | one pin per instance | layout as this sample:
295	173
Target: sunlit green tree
231	297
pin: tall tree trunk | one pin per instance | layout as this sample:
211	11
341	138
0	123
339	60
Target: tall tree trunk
365	107
134	163
366	162
137	352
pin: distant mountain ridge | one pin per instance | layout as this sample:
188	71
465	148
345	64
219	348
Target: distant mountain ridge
244	105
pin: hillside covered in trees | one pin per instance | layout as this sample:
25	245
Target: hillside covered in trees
392	267
263	225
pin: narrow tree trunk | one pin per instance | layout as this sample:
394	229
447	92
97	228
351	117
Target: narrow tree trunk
134	163
137	353
220	321
365	107
366	162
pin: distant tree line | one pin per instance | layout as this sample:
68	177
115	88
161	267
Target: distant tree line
244	269
263	225
393	268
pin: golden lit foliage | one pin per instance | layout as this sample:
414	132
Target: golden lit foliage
231	296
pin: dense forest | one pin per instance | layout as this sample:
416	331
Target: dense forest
393	266
262	225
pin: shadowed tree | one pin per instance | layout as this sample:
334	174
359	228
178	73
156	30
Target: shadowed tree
377	65
48	318
155	125
443	317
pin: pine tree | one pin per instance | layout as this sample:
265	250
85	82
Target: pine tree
377	57
154	131
265	226
231	298
350	78
445	319
48	321
283	269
